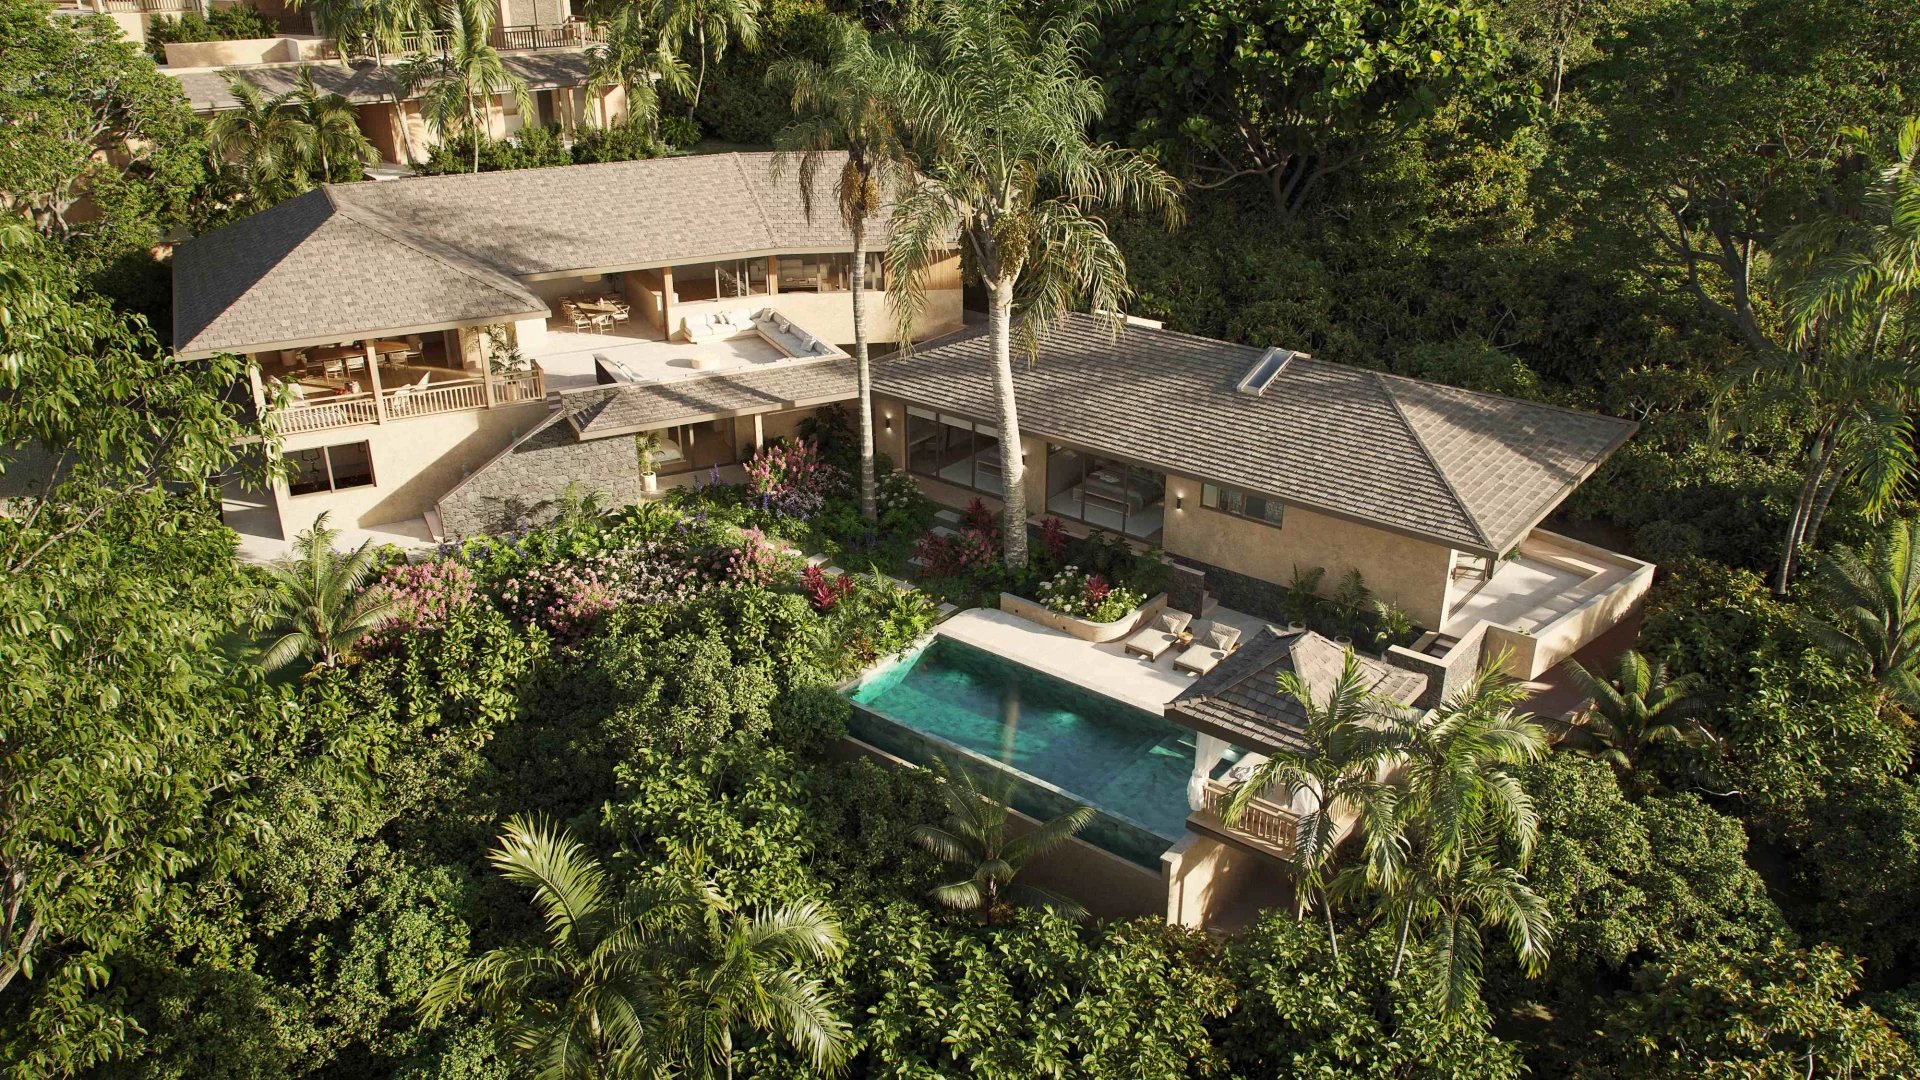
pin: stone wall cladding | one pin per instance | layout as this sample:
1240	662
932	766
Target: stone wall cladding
527	482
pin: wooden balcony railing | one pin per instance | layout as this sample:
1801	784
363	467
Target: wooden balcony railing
1270	823
347	410
444	398
567	35
140	7
515	387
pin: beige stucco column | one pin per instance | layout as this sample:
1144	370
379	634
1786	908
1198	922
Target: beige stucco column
373	380
1207	752
773	275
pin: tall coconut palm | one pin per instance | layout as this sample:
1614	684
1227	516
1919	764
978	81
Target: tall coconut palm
1874	596
974	838
1460	898
638	56
998	111
1851	278
1638	707
1333	780
711	25
332	129
641	982
459	85
318	602
750	972
842	106
260	143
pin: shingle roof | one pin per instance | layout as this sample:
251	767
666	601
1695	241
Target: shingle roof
1240	699
311	269
495	226
1467	469
365	84
621	410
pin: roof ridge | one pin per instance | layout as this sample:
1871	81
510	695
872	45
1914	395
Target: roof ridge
753	196
473	270
1426	451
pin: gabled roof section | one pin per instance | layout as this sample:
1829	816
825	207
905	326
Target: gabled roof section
310	271
344	260
623	410
1474	471
1240	699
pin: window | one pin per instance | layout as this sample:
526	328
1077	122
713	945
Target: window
954	449
329	468
720	280
1105	493
1241	504
817	273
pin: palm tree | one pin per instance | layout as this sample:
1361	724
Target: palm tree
974	838
746	972
638	56
609	1016
1338	770
318	602
998	114
712	24
456	86
332	127
261	143
641	982
1874	595
1852	289
1454	846
1638	707
842	106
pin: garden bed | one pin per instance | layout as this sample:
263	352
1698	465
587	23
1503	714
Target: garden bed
1084	629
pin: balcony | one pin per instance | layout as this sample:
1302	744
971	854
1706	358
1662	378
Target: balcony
149	7
459	393
1265	826
571	34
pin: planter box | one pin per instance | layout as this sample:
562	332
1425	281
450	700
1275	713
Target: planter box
1122	627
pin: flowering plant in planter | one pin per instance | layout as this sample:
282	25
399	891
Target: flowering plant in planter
1087	596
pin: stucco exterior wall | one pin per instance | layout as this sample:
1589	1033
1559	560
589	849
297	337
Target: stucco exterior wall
415	461
1402	570
273	50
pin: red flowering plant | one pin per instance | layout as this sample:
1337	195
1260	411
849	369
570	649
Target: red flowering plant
822	591
1053	540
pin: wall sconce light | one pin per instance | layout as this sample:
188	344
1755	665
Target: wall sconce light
888	417
1180	501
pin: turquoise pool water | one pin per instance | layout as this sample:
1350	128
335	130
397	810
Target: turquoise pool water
1058	743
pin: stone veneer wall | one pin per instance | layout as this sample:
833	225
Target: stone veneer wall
1266	599
528	479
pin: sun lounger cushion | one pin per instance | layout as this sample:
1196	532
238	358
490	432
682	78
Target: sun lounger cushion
1173	622
1223	636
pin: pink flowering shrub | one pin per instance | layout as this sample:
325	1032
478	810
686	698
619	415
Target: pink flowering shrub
569	599
791	478
428	594
754	562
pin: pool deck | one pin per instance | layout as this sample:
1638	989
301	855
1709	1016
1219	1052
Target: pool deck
1105	669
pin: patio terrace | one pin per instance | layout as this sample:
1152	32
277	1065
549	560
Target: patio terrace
567	356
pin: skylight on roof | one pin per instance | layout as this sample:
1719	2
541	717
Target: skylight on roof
1264	371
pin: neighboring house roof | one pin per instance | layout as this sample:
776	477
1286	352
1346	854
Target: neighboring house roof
623	410
312	270
1471	470
367	84
323	266
1240	699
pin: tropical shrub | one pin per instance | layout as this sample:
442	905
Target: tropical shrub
792	478
751	563
822	591
425	594
569	599
242	22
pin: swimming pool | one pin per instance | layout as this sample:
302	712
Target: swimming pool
1061	745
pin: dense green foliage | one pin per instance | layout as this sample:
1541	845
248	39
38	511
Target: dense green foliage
242	22
1629	205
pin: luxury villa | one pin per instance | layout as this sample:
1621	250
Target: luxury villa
542	43
457	351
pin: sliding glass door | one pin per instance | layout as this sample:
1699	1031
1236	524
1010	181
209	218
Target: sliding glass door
1105	493
954	449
